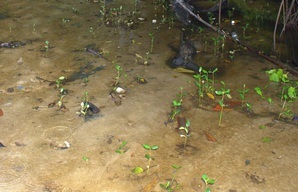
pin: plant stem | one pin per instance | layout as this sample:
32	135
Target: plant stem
221	111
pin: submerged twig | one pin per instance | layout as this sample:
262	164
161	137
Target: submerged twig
229	37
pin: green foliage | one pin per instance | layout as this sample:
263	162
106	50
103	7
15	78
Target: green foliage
207	181
121	149
222	92
169	185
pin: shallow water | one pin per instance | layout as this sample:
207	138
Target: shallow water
36	156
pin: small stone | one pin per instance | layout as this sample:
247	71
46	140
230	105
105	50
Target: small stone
10	90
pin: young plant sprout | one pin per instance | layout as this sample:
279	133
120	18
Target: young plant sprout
47	45
92	31
207	181
176	106
186	131
242	93
259	91
62	94
152	41
85	104
149	156
223	92
60	81
119	70
121	149
244	30
173	184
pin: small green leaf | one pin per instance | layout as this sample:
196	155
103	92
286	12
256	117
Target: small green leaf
187	124
138	170
267	139
118	151
228	95
154	147
205	177
147	146
218	92
85	158
211	181
176	166
122	144
269	100
208	190
292	92
147	156
262	127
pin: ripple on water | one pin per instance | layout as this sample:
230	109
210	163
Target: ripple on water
13	168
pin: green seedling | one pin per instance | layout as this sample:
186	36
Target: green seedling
211	18
249	107
33	28
216	44
222	92
176	105
119	73
62	94
242	93
186	133
47	45
232	54
152	41
267	139
137	170
245	27
289	96
231	13
85	105
149	156
60	81
207	182
173	184
92	32
213	77
262	127
278	76
75	10
85	158
121	149
259	91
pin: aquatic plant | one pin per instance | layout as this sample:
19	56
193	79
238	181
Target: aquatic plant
149	156
222	92
207	181
186	134
169	185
